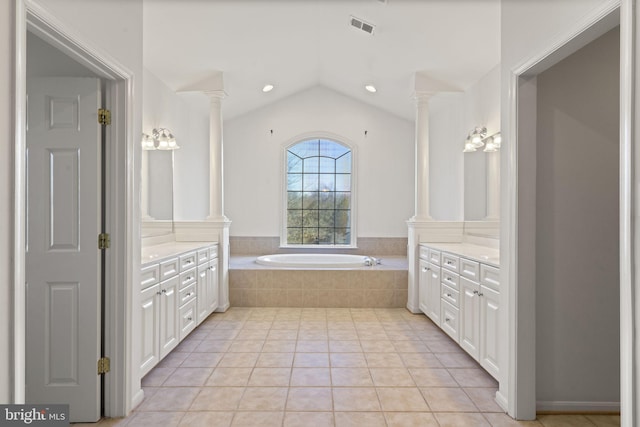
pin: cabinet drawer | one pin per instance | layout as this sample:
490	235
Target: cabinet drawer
449	320
434	256
450	279
490	277
150	275
213	252
203	256
168	269
186	294
188	260
187	319
449	295
424	253
450	261
187	278
470	269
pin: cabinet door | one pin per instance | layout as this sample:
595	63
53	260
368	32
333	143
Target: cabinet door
169	334
433	292
470	317
203	289
213	289
150	323
423	281
489	333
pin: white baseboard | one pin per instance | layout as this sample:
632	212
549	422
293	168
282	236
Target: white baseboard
502	401
137	399
414	310
569	406
223	308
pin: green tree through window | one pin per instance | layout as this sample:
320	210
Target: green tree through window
318	193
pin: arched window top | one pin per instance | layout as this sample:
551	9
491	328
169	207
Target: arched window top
319	189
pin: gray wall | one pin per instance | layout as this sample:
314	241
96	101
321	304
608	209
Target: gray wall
577	257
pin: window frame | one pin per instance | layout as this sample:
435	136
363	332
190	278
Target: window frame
284	193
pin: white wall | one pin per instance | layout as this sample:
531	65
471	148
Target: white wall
7	66
116	29
446	167
458	187
164	108
577	274
253	161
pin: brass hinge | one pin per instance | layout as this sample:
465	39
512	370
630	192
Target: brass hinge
104	365
104	116
104	241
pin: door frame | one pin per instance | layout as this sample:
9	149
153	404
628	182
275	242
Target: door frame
517	392
121	212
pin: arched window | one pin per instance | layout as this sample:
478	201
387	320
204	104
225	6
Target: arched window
319	189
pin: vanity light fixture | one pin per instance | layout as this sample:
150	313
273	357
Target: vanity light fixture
371	88
160	139
478	138
267	88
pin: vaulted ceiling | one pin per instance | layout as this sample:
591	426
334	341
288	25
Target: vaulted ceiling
298	44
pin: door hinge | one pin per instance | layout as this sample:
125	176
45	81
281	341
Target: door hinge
104	116
104	365
104	241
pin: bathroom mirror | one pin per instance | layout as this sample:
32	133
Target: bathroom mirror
157	192
482	193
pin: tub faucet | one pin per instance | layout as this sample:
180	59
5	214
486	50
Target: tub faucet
371	261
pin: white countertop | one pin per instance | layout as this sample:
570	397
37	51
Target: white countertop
483	254
162	251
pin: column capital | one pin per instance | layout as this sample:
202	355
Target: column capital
215	94
423	95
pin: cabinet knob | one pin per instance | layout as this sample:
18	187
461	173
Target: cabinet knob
447	319
475	292
158	293
188	295
425	269
449	295
211	268
189	318
480	294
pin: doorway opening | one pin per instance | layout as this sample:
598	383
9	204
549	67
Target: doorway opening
120	216
565	157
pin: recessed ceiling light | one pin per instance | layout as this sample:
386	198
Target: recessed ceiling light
371	88
267	88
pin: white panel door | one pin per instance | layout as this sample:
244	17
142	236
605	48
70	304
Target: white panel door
150	321
423	286
169	332
63	267
202	293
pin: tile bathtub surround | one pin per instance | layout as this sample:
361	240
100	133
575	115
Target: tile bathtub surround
359	288
321	367
372	246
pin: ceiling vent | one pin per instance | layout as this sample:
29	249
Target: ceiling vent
362	25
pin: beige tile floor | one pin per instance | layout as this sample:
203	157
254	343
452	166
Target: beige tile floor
324	367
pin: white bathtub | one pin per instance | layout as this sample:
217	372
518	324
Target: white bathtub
313	260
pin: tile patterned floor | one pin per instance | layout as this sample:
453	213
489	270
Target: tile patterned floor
324	367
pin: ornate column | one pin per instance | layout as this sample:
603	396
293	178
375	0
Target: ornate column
416	225
216	188
219	222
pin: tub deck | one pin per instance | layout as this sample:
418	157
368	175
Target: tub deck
380	286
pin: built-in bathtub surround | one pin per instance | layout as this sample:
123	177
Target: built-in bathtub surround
380	286
372	246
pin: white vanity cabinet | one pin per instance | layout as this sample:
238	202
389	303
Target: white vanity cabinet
207	282
169	292
469	301
159	316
